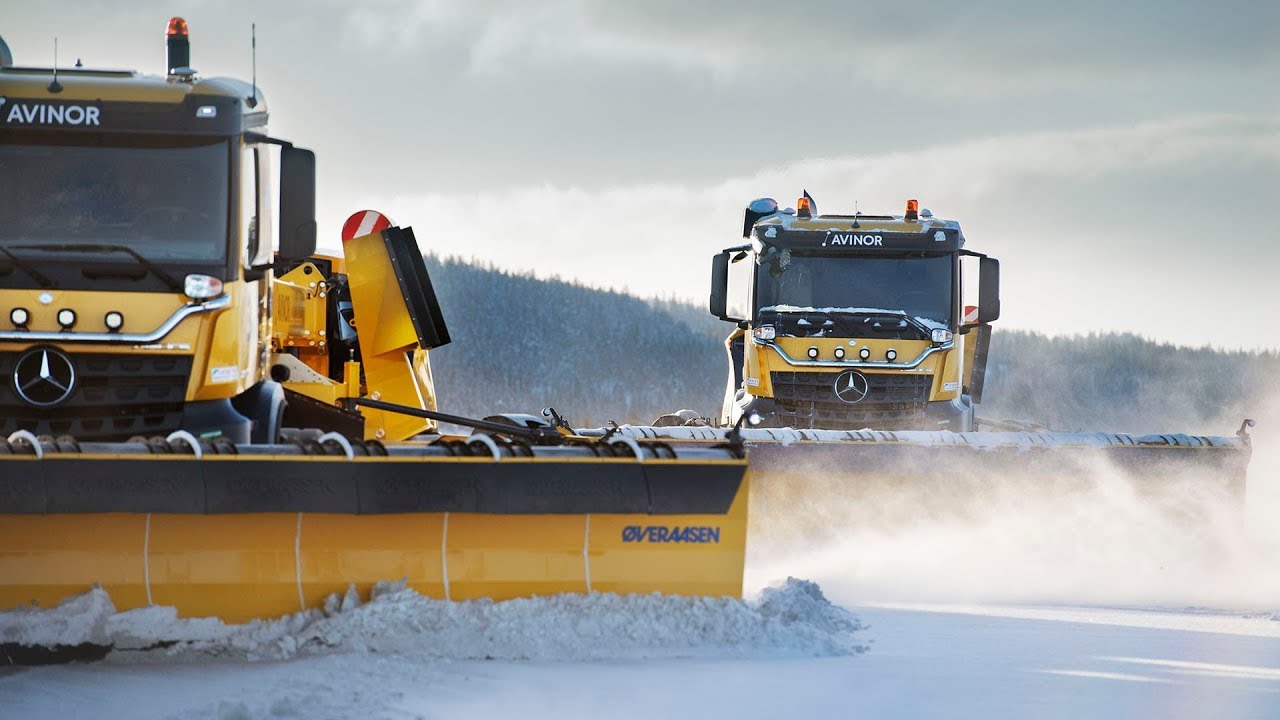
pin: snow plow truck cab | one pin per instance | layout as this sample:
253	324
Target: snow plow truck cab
853	321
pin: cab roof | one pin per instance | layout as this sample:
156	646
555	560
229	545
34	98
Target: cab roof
859	222
86	85
857	233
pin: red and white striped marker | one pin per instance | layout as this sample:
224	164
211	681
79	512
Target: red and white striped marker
364	222
970	312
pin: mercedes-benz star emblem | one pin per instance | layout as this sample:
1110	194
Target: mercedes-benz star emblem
44	377
852	387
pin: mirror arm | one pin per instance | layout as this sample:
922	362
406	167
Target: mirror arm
260	138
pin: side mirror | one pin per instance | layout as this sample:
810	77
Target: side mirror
989	290
297	203
720	285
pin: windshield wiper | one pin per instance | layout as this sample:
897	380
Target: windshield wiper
34	273
99	248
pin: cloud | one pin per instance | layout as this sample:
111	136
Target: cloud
440	94
1082	220
991	47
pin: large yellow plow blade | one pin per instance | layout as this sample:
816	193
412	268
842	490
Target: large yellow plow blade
271	531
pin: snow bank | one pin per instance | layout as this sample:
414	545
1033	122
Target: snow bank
792	619
79	619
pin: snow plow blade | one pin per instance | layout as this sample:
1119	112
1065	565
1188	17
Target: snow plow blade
257	531
799	472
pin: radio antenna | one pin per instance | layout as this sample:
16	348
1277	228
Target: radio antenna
55	86
253	44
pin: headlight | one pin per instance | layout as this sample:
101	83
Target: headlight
66	317
19	317
202	287
765	332
891	354
864	353
113	320
941	335
839	353
813	353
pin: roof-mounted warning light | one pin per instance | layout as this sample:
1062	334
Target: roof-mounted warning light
913	210
178	41
805	206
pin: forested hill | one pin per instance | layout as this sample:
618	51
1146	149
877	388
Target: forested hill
521	344
1121	382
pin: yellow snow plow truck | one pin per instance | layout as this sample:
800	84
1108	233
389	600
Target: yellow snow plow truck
854	321
855	363
198	411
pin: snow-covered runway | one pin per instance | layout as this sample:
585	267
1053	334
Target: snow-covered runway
924	661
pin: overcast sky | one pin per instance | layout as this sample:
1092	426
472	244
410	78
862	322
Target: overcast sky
1122	159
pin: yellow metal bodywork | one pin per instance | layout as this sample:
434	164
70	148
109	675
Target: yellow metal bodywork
402	377
761	360
244	566
382	319
395	368
298	315
224	339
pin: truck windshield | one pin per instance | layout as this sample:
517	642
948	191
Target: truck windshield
919	286
166	200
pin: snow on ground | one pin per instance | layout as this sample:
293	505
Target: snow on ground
985	662
791	620
395	652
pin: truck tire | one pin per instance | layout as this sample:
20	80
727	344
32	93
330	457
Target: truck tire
263	404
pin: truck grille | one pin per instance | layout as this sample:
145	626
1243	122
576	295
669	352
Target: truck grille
893	402
115	397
